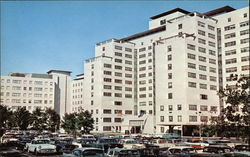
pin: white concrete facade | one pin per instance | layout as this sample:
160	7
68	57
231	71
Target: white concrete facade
37	90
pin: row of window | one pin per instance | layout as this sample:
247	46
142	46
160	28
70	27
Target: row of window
17	101
201	85
119	95
27	88
120	88
118	81
46	83
36	95
201	67
121	55
202	24
119	112
201	58
201	76
242	24
203	33
192	107
234	69
120	48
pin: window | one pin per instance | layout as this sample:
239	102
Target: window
232	43
191	56
169	66
128	56
203	97
128	49
170	95
170	118
211	27
118	60
142	49
162	118
179	118
106	94
128	89
201	24
245	58
202	59
212	61
162	130
179	26
170	85
118	47
128	75
244	32
232	69
118	81
192	118
118	103
213	108
203	108
106	119
201	32
161	108
212	44
202	50
118	74
118	88
204	118
162	22
107	72
192	107
179	107
191	65
142	62
243	41
230	52
210	35
213	87
244	49
213	70
191	75
118	95
191	47
118	120
169	48
128	112
106	128
245	68
245	23
231	61
142	103
229	27
107	79
230	35
169	57
142	95
203	86
201	41
169	75
118	67
142	55
107	65
245	15
211	52
192	84
170	107
212	78
106	111
202	68
229	19
128	69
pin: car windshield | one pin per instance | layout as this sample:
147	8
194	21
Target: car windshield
92	153
42	142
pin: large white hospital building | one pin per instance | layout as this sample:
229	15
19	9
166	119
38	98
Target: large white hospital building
165	78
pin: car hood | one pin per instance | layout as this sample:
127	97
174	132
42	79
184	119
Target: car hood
47	146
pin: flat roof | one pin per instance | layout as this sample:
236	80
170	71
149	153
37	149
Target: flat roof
60	71
221	10
80	74
169	12
142	34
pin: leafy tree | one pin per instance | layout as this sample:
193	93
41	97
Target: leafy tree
69	123
235	118
53	119
73	122
85	121
22	118
38	119
5	119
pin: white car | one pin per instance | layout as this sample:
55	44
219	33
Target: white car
131	144
41	146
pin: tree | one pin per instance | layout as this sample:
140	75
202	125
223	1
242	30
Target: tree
73	122
38	119
5	119
22	118
53	119
69	123
85	121
235	117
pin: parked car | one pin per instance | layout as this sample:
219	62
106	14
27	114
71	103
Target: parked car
64	146
131	144
86	152
217	149
242	147
106	143
181	151
121	152
41	146
20	145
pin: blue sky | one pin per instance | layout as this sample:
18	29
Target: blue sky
40	36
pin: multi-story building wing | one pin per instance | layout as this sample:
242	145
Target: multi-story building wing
28	90
77	93
50	90
234	31
109	78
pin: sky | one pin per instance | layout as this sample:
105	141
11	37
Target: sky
38	36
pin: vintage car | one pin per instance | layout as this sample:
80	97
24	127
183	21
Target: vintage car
64	145
86	152
131	144
106	143
121	152
40	146
181	151
217	149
